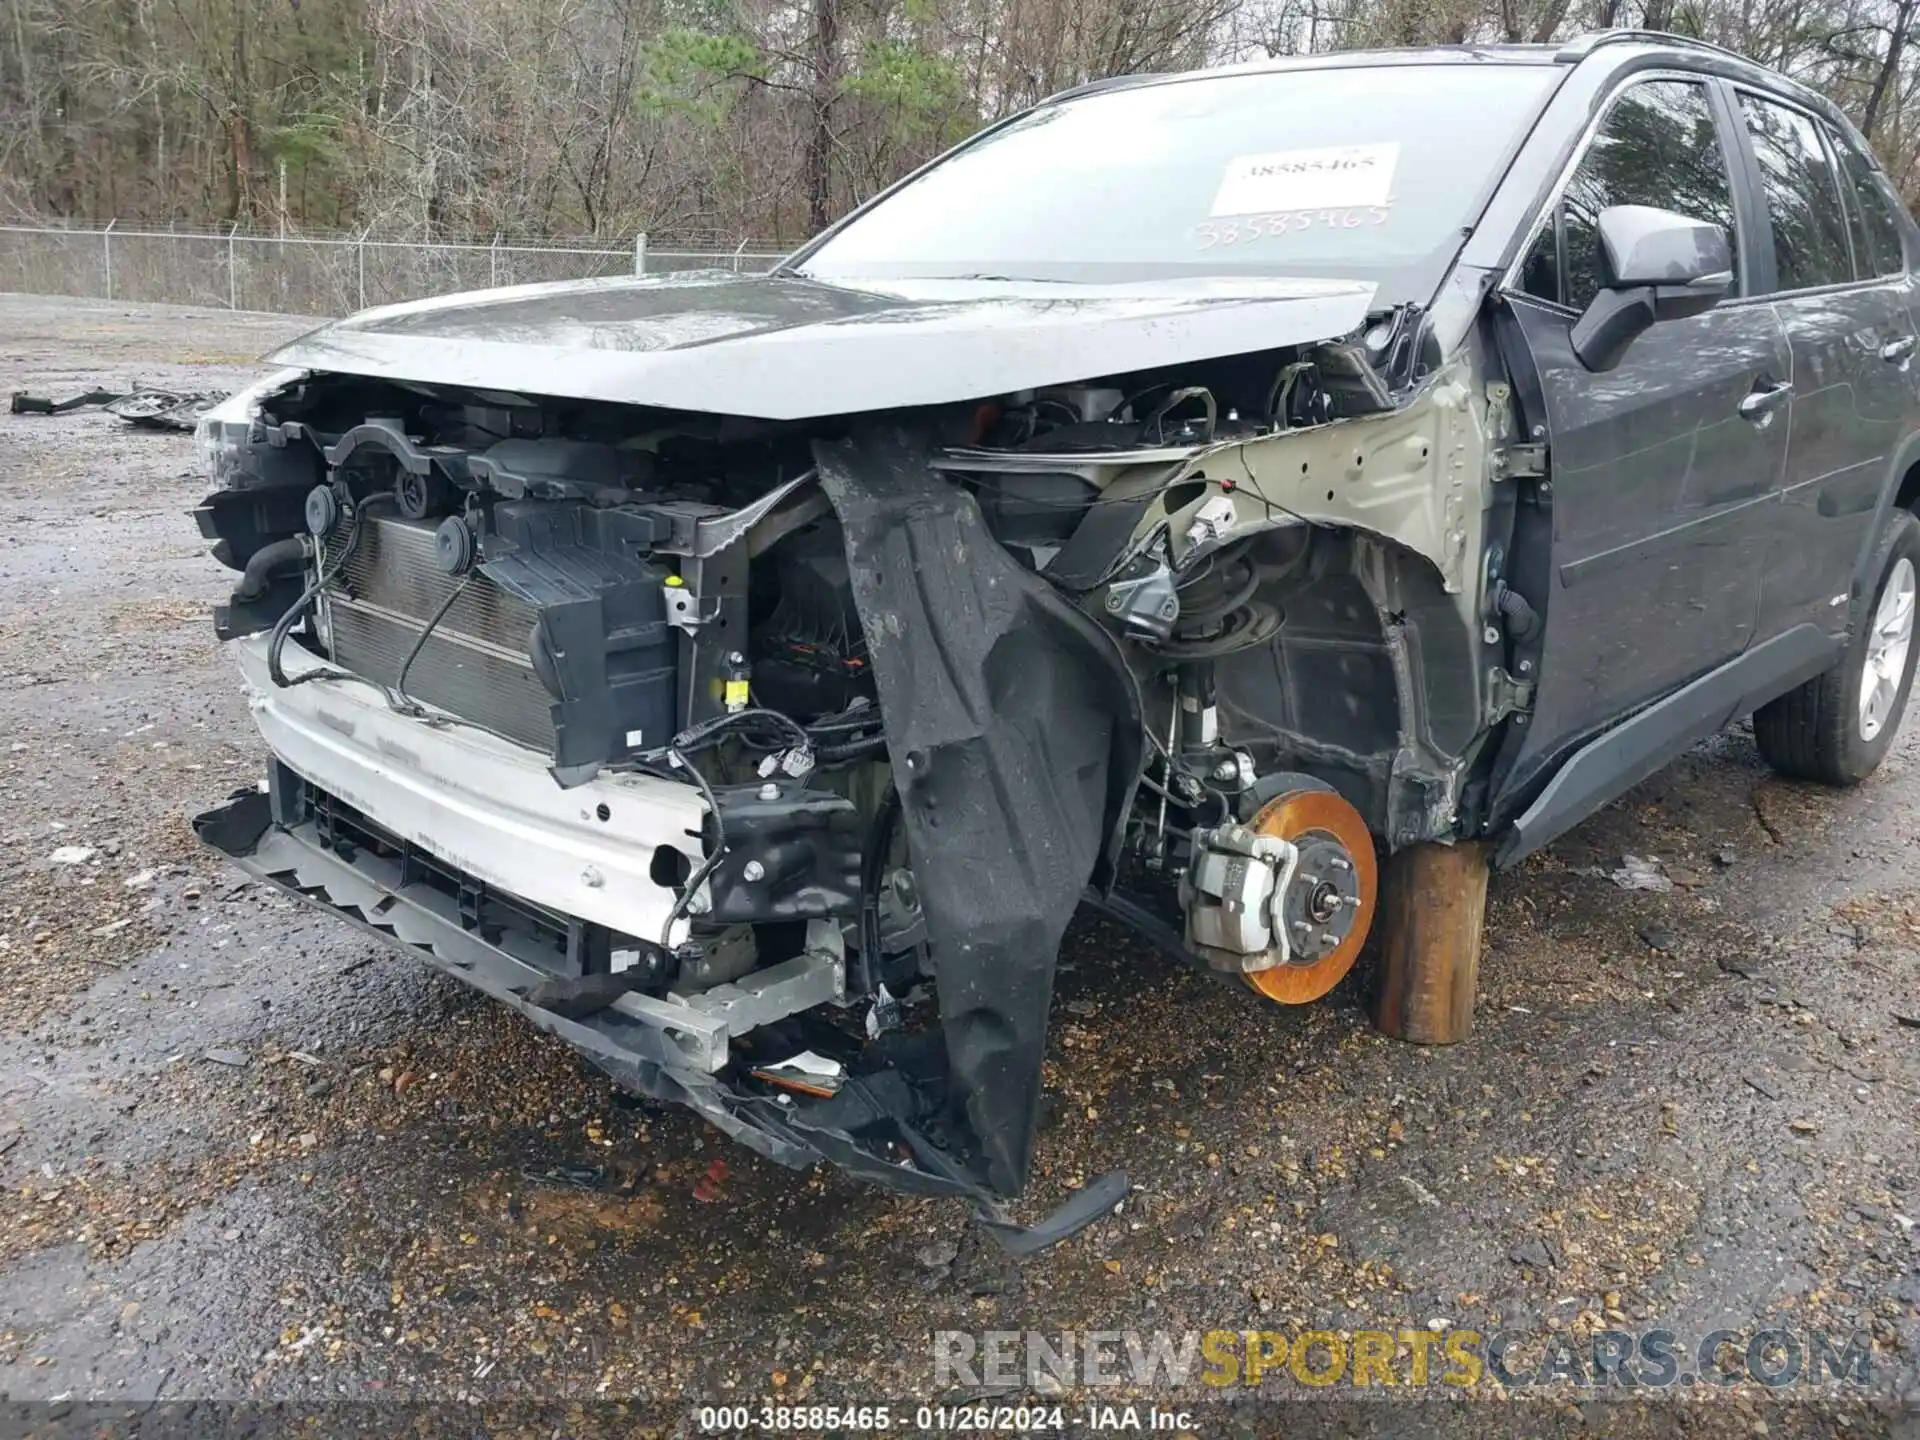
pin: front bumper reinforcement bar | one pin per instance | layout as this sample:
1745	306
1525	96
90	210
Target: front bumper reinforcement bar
653	1047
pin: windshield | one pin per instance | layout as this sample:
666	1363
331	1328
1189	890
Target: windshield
1342	172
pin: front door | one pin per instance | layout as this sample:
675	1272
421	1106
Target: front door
1664	471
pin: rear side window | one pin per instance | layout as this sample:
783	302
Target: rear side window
1657	146
1856	231
1803	196
1885	255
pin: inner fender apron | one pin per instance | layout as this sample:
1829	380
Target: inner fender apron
1013	727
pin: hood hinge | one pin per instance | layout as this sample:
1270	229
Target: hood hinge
1506	695
1519	462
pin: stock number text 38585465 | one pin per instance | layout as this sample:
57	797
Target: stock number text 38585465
1243	229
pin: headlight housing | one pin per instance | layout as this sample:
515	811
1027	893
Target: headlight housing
223	433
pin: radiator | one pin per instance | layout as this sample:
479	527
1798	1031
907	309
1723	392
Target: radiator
475	664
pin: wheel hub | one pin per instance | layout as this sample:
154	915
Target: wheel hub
1317	908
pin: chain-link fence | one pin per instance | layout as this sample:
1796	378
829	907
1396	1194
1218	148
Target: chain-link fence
316	274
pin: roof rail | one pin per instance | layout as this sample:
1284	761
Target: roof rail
1581	46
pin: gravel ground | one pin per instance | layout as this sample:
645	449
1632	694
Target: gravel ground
246	1154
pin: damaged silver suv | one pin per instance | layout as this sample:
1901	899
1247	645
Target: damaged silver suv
1248	502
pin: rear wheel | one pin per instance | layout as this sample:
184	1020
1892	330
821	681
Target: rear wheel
1838	726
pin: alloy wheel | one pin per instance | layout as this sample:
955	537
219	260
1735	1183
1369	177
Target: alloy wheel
1887	645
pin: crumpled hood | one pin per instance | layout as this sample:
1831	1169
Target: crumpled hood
788	348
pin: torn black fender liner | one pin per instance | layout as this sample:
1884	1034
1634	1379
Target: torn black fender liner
1014	729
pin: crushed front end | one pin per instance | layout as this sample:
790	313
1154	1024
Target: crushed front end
596	726
765	757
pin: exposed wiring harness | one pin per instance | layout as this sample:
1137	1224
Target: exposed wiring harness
404	703
807	744
675	753
859	723
1188	803
713	857
851	734
397	699
324	576
865	748
705	734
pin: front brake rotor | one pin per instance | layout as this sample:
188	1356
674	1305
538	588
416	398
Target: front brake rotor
1328	905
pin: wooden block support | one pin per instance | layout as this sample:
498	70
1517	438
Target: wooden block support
1433	907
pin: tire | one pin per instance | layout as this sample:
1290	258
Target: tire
1825	730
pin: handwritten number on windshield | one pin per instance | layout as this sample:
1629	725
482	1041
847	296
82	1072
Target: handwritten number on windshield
1243	229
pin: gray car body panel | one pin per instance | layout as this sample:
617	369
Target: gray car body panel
1665	503
1613	672
782	347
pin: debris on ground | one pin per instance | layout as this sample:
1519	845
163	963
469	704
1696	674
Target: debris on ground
707	1189
147	409
577	1177
938	1255
1421	1193
1641	873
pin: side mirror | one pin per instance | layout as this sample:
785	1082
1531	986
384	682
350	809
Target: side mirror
1659	266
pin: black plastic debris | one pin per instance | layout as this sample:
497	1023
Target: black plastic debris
571	1177
149	409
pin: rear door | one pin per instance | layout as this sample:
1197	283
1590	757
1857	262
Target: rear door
1852	343
1882	224
1663	493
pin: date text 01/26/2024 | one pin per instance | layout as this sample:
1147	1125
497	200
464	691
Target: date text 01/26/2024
937	1419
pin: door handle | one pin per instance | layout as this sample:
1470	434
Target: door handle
1759	403
1895	352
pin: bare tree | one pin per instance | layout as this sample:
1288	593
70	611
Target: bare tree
698	118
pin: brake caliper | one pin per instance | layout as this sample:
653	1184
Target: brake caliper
1233	895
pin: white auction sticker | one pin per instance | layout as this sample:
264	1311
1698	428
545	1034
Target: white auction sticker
1307	179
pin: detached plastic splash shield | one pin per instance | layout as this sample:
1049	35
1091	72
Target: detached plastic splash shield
1014	730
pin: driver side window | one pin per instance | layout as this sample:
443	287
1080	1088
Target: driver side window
1657	146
